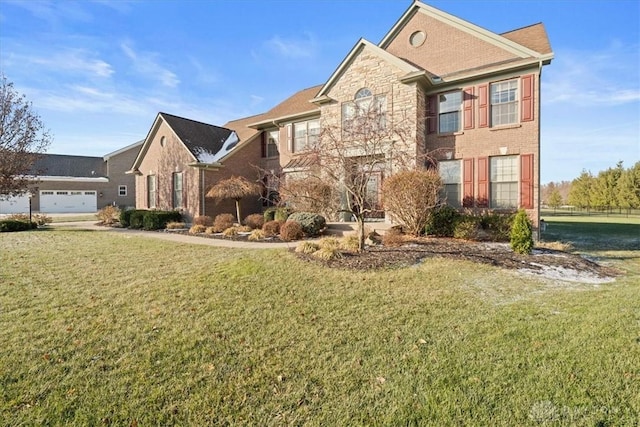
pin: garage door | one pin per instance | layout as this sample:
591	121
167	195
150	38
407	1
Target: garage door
18	204
68	201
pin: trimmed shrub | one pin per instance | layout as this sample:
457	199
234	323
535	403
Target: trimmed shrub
393	237
497	225
11	225
156	220
442	222
108	215
125	217
256	235
291	230
282	214
18	217
466	227
205	220
307	247
254	221
269	214
136	218
244	229
312	223
223	221
272	228
522	234
210	230
195	229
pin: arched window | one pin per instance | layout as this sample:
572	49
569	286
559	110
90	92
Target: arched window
363	93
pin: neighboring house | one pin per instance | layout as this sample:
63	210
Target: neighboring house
470	97
65	184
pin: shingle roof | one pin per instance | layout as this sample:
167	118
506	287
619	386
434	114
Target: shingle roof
298	103
533	37
69	166
199	138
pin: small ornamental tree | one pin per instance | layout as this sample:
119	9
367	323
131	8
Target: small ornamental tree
522	234
411	196
234	188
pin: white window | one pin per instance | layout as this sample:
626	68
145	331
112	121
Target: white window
151	191
122	190
451	175
177	190
62	193
305	135
364	114
504	103
504	182
89	193
271	144
449	112
47	193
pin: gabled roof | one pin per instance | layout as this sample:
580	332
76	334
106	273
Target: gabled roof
206	143
201	139
533	36
60	165
123	149
513	43
362	44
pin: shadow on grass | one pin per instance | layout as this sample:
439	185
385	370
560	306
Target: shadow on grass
594	235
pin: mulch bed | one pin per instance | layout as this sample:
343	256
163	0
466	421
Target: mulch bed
497	254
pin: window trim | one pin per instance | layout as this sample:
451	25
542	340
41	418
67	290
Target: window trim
266	153
458	184
308	138
515	82
152	195
377	101
458	111
515	182
177	201
122	187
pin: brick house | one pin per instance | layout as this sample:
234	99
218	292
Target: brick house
66	184
470	97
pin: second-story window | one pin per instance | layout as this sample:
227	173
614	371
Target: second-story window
305	135
271	142
449	112
366	113
504	102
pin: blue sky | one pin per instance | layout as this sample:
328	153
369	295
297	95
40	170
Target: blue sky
98	71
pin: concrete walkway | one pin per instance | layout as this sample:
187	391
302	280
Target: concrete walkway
174	237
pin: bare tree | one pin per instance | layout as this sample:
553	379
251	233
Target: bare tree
234	188
22	139
354	155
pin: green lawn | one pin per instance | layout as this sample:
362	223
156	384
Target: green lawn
100	328
591	233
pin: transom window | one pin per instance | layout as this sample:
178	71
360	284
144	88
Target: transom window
305	135
451	175
504	182
365	113
504	103
449	112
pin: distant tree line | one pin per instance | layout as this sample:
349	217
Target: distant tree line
614	188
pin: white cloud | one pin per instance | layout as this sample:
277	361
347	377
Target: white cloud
304	47
76	61
608	77
147	64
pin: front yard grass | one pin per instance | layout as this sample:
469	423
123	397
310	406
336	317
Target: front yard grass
100	328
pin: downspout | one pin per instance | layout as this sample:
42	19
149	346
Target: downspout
202	189
539	144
